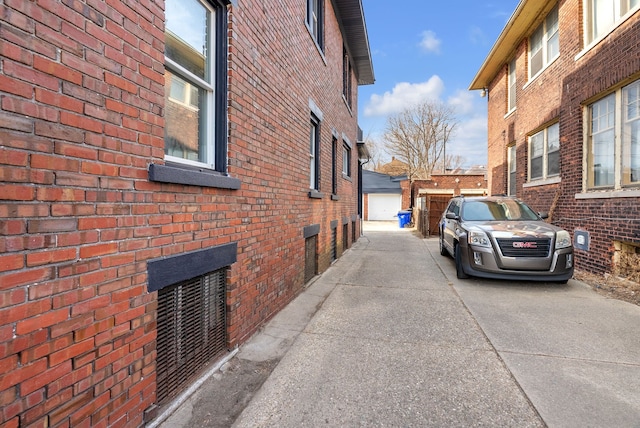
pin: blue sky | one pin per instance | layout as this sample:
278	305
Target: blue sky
431	50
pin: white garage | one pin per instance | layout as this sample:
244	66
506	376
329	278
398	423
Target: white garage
384	206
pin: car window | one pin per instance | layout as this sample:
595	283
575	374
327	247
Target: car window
454	207
507	209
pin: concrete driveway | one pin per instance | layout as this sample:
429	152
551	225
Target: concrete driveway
389	337
575	354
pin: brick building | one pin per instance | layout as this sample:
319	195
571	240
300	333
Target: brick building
563	88
171	179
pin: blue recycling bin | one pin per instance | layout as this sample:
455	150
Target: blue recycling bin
404	218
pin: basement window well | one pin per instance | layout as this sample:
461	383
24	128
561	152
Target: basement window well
626	260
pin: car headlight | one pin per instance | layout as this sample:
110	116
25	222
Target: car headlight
478	238
563	239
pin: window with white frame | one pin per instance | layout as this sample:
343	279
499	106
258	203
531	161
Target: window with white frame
613	145
315	21
631	134
511	178
544	43
512	85
603	15
544	153
314	153
194	124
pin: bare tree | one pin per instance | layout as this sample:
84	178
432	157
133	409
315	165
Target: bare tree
376	152
418	136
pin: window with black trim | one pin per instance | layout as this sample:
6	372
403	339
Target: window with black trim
346	76
346	160
314	153
544	43
195	78
315	21
544	153
334	166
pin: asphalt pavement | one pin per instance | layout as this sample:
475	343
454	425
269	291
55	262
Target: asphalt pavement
388	337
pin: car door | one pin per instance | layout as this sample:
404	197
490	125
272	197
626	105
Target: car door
448	226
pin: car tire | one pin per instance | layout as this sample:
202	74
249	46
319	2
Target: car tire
460	273
443	250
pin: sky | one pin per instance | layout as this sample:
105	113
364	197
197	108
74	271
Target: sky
431	50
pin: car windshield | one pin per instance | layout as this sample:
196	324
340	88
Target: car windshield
506	209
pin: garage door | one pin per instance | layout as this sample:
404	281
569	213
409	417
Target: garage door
384	206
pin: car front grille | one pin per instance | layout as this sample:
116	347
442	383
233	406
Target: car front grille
524	247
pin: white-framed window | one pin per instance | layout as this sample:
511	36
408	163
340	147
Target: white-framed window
195	130
544	153
314	153
315	21
631	134
511	177
544	44
613	140
603	15
512	85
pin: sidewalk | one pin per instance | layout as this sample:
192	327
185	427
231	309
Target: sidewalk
388	337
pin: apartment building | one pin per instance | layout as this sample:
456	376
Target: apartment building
563	89
173	174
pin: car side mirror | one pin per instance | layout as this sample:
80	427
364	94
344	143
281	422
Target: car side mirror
543	215
451	216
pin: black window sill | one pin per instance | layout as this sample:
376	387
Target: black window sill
314	194
192	176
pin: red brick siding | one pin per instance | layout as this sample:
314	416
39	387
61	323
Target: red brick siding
560	93
81	118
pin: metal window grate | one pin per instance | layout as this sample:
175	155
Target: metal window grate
310	260
191	330
334	243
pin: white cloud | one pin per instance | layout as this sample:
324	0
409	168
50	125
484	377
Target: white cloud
462	102
429	42
470	140
404	95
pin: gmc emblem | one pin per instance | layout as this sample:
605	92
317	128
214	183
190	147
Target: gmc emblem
519	244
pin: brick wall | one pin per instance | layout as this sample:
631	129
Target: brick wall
81	118
561	93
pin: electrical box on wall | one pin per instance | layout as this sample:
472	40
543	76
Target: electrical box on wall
581	240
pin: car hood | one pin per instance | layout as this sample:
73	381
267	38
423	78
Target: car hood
516	229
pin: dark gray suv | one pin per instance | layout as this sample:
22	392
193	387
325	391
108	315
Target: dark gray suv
501	237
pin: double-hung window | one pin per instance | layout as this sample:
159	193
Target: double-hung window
346	160
544	44
512	85
511	178
315	21
604	15
314	153
613	141
195	52
544	153
346	76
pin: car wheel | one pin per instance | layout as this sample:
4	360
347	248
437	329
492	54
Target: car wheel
459	271
443	250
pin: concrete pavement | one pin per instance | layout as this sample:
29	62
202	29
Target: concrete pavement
389	337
